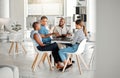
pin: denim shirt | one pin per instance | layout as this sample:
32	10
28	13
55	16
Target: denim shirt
44	31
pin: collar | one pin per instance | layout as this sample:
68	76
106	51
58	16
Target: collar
42	25
62	27
35	30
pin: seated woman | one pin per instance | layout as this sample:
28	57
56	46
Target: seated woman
78	37
37	40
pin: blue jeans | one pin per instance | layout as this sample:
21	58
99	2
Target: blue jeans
71	49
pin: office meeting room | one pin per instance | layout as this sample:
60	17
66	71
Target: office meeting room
47	38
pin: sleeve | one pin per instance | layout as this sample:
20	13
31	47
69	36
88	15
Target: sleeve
32	34
69	30
41	31
55	30
75	38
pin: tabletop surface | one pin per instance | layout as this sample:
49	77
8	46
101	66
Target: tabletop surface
62	40
67	40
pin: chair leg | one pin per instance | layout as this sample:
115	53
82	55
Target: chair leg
49	62
71	58
52	61
45	55
34	62
50	58
42	58
81	58
12	44
16	50
91	60
66	63
78	62
23	48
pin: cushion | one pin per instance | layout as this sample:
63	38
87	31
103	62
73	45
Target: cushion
6	72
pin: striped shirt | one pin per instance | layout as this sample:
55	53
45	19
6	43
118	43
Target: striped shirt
78	36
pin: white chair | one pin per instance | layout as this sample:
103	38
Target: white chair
78	56
9	71
40	57
91	49
16	38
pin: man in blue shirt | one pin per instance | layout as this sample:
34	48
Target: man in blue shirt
44	31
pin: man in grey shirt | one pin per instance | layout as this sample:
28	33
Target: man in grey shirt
78	37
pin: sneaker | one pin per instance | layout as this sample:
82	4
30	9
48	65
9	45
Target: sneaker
68	66
73	61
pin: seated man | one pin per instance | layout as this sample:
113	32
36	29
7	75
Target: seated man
78	37
61	30
44	31
37	40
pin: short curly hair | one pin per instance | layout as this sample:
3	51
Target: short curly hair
34	24
43	17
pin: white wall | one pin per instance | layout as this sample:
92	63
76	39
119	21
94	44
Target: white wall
18	11
91	15
83	3
4	12
46	9
108	39
69	10
25	13
69	7
4	8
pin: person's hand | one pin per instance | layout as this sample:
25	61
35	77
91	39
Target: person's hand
56	34
69	34
52	33
42	45
64	35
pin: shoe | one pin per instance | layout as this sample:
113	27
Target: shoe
59	67
73	61
68	66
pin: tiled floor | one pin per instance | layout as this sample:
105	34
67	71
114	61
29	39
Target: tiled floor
24	62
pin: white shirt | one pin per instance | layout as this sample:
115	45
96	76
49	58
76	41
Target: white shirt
32	36
60	30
